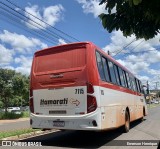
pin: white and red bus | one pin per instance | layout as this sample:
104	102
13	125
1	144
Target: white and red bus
77	86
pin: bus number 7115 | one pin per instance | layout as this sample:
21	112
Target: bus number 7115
79	91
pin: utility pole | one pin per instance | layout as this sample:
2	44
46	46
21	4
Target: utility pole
147	88
157	83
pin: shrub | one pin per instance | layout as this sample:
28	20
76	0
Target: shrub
10	115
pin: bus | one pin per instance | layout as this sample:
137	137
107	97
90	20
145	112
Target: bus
77	86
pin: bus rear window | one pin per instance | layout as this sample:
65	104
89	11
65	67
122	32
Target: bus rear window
59	59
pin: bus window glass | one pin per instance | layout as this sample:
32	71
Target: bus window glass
113	78
117	75
100	66
106	71
128	81
137	84
134	84
141	87
131	82
125	79
121	76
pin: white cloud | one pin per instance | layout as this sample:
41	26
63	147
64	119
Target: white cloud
144	63
21	43
24	64
19	54
92	6
8	67
6	56
61	41
17	9
118	41
51	15
144	79
135	68
154	72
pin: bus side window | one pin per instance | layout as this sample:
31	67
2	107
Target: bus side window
100	66
137	84
134	84
121	76
117	75
112	74
128	81
125	79
141	87
131	82
106	71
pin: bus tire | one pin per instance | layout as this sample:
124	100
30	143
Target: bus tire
142	118
127	122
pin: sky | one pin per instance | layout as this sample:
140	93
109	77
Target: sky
21	34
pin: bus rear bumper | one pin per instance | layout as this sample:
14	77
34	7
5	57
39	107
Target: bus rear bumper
87	122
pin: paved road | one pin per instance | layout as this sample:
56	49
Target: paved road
149	129
9	125
146	130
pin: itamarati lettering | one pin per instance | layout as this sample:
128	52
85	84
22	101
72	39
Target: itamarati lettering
54	102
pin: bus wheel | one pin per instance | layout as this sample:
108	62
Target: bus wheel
127	122
142	118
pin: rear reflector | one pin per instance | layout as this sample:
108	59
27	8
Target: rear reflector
90	88
91	104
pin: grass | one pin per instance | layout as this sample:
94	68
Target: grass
10	115
25	114
16	132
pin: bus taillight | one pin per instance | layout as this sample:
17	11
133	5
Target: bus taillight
31	105
90	88
91	104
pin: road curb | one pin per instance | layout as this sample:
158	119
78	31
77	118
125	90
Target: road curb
5	121
29	135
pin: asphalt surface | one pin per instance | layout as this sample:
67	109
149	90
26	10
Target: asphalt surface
149	129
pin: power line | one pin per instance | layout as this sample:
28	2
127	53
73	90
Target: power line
137	45
43	21
155	50
35	33
125	47
55	35
45	35
134	48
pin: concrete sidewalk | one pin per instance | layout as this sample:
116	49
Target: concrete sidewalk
13	120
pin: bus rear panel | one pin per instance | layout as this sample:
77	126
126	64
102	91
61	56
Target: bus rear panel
61	95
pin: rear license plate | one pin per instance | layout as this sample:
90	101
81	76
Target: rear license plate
58	123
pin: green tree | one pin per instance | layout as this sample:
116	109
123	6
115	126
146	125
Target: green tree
6	91
13	88
21	88
139	17
1	104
